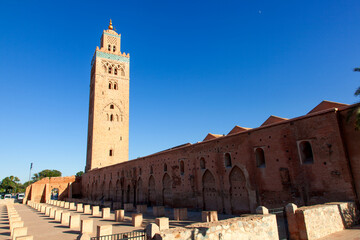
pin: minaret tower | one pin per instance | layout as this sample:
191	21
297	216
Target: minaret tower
108	127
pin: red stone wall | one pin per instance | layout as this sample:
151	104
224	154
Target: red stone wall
284	179
351	141
40	191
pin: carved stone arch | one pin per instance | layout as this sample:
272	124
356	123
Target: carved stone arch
103	190
239	196
167	190
118	191
122	186
152	191
122	72
139	191
116	107
94	190
209	191
109	190
251	193
128	193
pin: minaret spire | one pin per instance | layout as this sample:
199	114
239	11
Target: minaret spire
110	25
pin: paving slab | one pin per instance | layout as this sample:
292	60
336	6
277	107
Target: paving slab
4	223
43	227
347	234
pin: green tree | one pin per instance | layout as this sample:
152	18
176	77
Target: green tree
10	184
79	174
357	108
46	173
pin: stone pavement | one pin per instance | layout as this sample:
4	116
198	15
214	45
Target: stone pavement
43	228
4	223
347	234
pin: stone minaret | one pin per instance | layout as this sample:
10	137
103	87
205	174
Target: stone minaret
108	129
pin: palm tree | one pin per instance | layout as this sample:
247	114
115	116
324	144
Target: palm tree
357	106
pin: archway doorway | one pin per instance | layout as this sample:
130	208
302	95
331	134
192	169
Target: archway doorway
152	193
209	191
54	194
167	190
239	196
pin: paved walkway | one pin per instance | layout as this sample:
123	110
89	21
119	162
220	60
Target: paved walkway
347	234
4	223
44	228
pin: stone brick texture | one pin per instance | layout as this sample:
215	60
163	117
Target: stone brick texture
317	221
239	188
262	227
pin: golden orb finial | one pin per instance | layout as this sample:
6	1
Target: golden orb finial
110	25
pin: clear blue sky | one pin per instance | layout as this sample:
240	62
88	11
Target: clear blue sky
196	67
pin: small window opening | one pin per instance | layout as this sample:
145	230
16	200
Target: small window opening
260	158
109	85
110	69
306	152
227	160
115	86
165	167
110	152
115	71
151	170
109	47
202	163
114	49
111	106
111	118
182	167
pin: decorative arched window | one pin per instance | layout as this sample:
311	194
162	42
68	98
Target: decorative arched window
110	152
115	71
227	160
117	117
306	153
260	157
109	85
114	48
110	69
122	72
182	167
111	117
202	163
109	47
111	106
165	167
115	86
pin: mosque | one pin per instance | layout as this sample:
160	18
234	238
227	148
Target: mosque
310	159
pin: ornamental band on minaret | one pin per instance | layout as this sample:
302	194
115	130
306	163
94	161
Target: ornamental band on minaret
108	127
